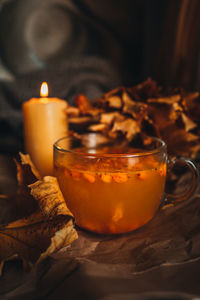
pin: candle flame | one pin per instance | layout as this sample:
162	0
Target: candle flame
44	91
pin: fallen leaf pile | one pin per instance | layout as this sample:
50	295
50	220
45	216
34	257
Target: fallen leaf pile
140	111
48	225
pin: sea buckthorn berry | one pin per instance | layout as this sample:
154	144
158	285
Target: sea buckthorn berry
142	175
107	178
76	175
89	177
120	177
163	170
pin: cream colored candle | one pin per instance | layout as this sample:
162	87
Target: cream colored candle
45	121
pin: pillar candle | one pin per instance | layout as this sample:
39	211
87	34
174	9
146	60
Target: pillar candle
45	121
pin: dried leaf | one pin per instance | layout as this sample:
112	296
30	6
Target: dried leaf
110	117
128	127
149	109
49	197
72	111
81	124
182	143
167	100
98	127
189	124
23	202
48	224
35	237
114	102
85	106
42	233
161	115
138	110
81	120
117	91
191	102
111	100
145	90
26	171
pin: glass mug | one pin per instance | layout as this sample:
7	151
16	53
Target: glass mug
110	188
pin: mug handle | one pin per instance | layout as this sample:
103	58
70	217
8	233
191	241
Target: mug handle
170	198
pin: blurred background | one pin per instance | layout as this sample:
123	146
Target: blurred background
90	47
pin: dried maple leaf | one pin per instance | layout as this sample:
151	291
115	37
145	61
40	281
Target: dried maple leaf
191	102
26	171
182	143
110	117
138	110
147	109
111	100
114	102
188	123
81	120
43	232
85	106
128	127
168	100
145	90
49	196
34	238
98	127
161	116
23	203
117	92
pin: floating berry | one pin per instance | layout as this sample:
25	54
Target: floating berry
89	177
107	178
120	177
142	175
163	170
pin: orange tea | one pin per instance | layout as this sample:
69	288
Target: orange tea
111	190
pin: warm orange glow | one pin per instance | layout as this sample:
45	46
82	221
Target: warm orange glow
44	91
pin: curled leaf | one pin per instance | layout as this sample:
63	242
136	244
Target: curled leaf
98	127
49	196
128	127
26	161
23	203
138	110
167	100
114	102
83	104
188	123
35	237
48	228
191	102
108	118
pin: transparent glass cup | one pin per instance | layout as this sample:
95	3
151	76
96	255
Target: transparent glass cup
110	188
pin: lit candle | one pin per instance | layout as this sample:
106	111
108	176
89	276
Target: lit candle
45	121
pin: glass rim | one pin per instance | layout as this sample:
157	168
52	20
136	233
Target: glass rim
111	155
